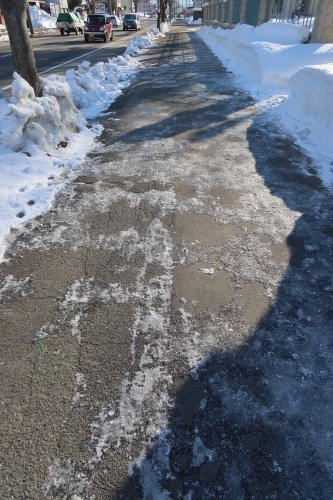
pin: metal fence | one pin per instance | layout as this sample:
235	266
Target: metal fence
300	12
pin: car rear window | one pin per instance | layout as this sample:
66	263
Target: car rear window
64	17
96	19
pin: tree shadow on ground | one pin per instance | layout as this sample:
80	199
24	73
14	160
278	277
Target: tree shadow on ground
204	114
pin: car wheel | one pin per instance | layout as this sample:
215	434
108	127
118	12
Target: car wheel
67	32
62	32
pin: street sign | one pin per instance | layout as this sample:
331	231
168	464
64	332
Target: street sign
99	8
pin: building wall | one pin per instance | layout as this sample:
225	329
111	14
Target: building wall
231	12
128	6
145	6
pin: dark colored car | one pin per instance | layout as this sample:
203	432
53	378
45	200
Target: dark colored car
98	27
131	22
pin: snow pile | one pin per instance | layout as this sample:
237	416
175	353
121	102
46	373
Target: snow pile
43	138
95	87
283	73
32	124
41	19
163	28
257	54
146	41
197	22
307	113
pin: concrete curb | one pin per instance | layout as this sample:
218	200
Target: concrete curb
40	32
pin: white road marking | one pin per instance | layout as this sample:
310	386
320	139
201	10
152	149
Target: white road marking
71	60
62	64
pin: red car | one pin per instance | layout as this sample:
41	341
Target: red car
98	27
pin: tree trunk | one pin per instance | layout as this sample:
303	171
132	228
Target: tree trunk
322	31
15	16
163	11
158	20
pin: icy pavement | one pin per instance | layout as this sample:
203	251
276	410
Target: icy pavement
167	325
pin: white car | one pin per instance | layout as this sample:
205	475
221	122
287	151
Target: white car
116	22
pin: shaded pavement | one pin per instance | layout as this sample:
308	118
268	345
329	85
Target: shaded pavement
166	327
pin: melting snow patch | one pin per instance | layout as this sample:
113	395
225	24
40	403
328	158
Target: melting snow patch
10	286
61	475
200	453
80	384
209	271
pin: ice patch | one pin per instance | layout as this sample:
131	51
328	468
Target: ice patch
201	453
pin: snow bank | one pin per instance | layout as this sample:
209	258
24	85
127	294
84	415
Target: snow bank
308	112
281	33
275	66
94	86
267	54
197	22
41	19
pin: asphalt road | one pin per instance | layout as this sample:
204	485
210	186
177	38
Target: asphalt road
166	328
60	53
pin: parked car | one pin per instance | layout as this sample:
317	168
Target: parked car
69	22
131	22
98	27
116	22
